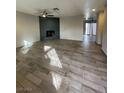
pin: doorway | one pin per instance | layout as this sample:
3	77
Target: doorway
90	30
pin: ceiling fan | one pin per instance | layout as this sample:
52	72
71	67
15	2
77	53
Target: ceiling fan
47	12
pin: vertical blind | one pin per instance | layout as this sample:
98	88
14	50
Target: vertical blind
90	29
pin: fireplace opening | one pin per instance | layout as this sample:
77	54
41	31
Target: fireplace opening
50	33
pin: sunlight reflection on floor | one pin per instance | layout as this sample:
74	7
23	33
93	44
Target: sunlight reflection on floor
56	80
26	47
54	59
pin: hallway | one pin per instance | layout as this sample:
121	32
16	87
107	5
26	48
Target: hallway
61	66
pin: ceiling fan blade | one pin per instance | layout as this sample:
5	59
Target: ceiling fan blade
50	15
48	12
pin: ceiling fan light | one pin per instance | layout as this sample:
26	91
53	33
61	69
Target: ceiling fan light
43	15
93	10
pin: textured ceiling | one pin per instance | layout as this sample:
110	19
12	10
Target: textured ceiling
67	7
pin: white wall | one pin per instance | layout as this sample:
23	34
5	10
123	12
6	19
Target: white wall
71	28
27	29
104	37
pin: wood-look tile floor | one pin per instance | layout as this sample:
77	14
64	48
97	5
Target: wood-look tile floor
61	66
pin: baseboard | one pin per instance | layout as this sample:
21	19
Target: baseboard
103	52
72	40
23	45
98	44
19	47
